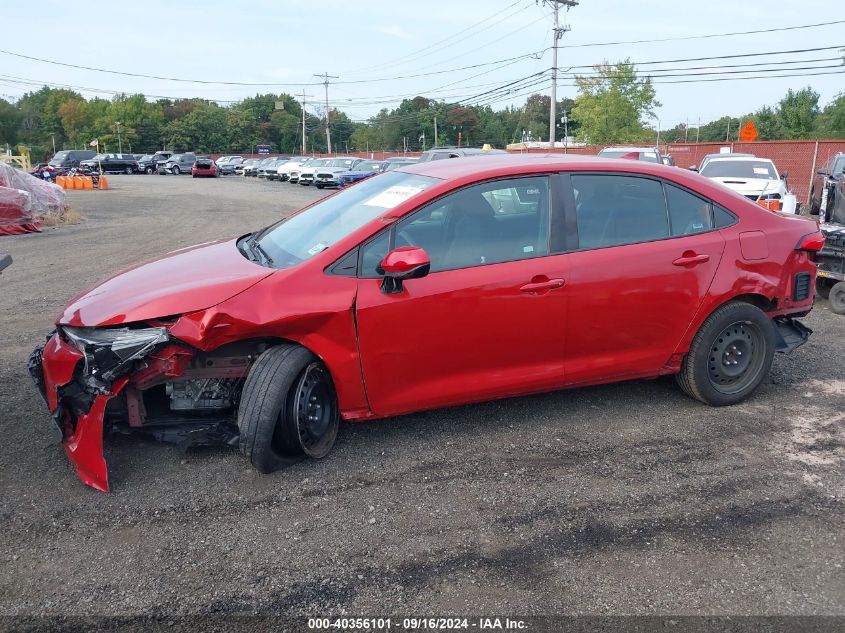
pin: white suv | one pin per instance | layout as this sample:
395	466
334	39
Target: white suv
755	178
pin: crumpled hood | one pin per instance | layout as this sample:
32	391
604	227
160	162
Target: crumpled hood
183	281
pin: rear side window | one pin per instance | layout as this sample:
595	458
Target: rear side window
688	214
613	210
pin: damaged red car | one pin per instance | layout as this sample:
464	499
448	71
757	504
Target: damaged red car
433	285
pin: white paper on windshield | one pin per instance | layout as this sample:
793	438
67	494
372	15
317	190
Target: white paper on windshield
392	197
317	248
761	170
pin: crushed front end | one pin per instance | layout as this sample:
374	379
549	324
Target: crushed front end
136	377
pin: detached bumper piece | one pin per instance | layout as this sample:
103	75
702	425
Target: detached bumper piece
790	334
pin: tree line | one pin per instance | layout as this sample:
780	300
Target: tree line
614	104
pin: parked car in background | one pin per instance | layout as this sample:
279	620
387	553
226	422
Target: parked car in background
251	169
269	169
284	170
68	159
177	164
708	157
276	174
755	178
828	188
439	153
148	162
647	154
326	175
230	166
204	167
293	175
111	163
362	170
433	285
307	173
249	163
225	159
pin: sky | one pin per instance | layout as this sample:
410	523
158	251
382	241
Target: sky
382	51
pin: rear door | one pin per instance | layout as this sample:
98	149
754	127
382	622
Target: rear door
646	254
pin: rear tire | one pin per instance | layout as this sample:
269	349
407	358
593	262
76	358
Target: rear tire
288	408
730	355
837	298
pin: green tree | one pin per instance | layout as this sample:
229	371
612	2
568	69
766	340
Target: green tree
10	120
797	113
831	121
613	103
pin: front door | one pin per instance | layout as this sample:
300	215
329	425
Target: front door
647	253
489	319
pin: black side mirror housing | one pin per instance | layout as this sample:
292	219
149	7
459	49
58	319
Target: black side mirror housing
693	167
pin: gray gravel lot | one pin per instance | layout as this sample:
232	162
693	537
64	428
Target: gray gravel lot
620	499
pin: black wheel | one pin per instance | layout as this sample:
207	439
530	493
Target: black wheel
148	170
288	408
822	287
837	298
175	169
193	175
128	171
729	356
319	186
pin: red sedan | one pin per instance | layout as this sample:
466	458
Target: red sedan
204	168
433	285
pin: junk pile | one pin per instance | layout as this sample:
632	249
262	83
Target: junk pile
24	199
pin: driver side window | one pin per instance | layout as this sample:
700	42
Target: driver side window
490	223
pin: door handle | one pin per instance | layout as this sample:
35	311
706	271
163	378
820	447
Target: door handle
691	259
540	286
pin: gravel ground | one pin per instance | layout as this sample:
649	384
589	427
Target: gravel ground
620	499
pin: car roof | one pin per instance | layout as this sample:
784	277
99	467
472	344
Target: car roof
747	157
631	148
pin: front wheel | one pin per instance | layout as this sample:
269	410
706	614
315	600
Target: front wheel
128	171
729	356
175	169
148	170
288	408
837	298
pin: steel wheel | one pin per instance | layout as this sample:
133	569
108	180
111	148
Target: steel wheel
176	171
736	358
128	171
314	410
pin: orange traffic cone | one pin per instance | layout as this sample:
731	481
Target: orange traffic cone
60	180
104	183
87	182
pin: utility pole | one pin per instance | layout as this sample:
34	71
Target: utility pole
435	131
326	76
119	144
303	120
557	34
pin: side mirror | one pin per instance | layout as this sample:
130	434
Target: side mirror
405	262
822	172
784	175
693	167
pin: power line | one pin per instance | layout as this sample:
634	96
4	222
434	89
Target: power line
710	35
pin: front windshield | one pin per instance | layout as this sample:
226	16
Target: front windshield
759	169
368	165
312	231
341	162
100	157
145	157
58	158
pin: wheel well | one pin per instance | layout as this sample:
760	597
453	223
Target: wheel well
760	301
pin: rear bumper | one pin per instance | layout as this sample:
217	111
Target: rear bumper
790	334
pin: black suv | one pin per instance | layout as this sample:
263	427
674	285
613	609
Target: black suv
827	188
124	163
147	162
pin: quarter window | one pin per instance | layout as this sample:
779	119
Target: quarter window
688	213
613	210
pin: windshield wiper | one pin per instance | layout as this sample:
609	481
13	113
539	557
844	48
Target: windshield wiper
255	247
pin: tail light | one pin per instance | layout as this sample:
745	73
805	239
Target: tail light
772	204
812	242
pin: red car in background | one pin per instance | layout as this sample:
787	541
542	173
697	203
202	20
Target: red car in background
204	168
432	285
